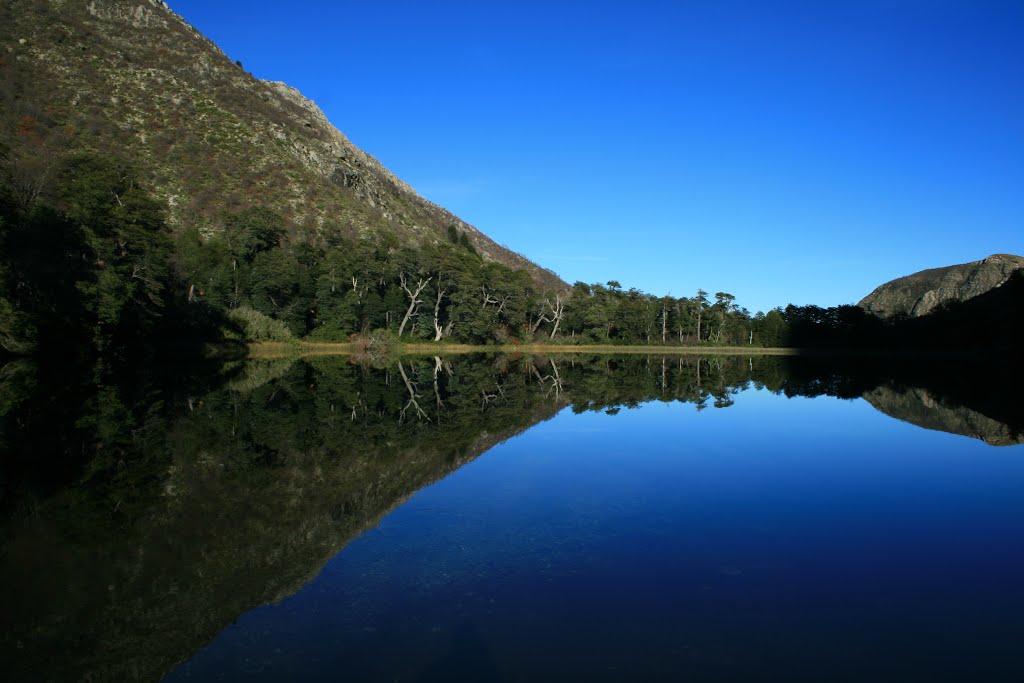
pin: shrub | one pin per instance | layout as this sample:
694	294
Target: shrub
255	326
376	345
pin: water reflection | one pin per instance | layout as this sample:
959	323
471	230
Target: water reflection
920	407
141	521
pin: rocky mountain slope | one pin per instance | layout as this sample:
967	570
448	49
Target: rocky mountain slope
131	77
924	292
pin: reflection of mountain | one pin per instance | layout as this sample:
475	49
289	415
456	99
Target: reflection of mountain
963	394
182	520
217	544
240	503
919	407
181	517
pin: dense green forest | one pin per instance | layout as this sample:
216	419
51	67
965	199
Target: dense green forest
90	268
88	265
985	322
88	256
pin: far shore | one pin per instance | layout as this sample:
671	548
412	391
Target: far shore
303	348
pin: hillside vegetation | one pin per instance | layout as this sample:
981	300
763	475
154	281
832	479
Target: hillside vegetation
152	189
130	78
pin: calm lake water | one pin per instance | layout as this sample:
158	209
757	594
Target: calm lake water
517	519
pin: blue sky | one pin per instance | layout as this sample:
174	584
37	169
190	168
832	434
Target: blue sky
785	152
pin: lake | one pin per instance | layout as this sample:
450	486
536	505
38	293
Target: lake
494	518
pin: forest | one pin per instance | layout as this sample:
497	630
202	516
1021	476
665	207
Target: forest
89	256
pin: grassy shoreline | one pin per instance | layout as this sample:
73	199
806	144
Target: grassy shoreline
302	348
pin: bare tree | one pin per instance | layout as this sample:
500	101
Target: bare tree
664	321
414	298
489	300
439	331
556	311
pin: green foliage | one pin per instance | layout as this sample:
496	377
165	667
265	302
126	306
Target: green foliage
89	267
466	244
127	243
17	332
255	326
97	261
252	232
985	322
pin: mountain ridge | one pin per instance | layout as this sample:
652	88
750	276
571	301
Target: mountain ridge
135	77
925	291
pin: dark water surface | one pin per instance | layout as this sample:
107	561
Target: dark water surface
517	519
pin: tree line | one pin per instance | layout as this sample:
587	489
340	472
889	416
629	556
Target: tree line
89	256
983	323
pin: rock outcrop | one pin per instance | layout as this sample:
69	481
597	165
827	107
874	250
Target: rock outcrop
929	290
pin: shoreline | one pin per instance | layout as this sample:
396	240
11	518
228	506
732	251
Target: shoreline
269	350
298	349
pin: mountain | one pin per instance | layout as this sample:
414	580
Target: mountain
924	292
132	78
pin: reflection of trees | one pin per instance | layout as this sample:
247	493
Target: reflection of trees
971	395
603	383
141	520
185	516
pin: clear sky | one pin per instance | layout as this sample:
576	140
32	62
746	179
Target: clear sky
785	152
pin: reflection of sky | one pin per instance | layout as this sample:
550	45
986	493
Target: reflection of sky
733	539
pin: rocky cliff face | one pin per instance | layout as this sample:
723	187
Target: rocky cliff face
131	77
924	292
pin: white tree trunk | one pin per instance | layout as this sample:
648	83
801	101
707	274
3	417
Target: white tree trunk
438	330
557	313
414	299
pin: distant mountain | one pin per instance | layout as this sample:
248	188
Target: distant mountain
925	292
132	78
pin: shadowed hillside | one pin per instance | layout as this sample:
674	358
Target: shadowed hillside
132	78
987	321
